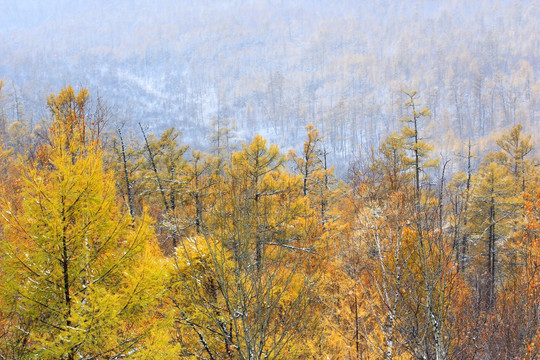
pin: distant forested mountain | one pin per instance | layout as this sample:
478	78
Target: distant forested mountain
272	67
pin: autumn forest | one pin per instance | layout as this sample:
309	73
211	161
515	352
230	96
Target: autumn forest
145	248
270	180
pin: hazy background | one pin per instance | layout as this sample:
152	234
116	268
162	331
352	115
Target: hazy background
272	67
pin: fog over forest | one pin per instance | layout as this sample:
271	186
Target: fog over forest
272	67
269	180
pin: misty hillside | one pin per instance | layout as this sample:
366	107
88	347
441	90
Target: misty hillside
269	180
273	67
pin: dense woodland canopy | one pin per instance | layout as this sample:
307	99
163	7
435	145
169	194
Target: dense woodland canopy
114	247
259	180
273	67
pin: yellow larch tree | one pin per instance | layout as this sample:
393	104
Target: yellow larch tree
243	289
81	280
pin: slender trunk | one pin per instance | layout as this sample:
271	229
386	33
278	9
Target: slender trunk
416	158
198	214
464	238
259	236
154	168
324	199
389	333
126	176
523	174
259	250
491	255
356	326
172	195
417	175
306	173
441	209
65	273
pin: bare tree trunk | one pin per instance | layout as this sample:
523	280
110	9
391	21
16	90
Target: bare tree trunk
491	255
126	176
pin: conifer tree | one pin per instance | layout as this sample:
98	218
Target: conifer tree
80	279
516	146
493	216
242	289
414	142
